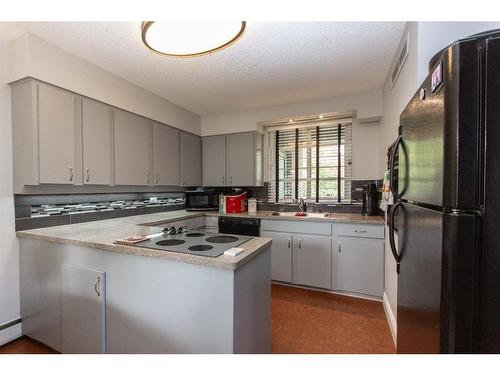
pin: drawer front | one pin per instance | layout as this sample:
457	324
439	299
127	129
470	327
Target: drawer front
359	230
290	226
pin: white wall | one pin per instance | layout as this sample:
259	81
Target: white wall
434	36
9	247
365	135
35	57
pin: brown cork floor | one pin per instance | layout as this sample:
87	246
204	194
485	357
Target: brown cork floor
303	321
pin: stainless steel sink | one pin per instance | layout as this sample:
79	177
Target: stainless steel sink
303	215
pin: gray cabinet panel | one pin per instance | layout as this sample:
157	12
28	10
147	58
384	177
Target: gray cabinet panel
358	265
132	136
166	162
56	131
281	256
190	159
83	310
240	159
97	143
312	259
214	160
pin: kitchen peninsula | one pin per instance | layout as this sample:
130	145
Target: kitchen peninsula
81	293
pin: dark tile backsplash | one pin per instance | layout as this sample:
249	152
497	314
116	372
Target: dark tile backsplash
38	211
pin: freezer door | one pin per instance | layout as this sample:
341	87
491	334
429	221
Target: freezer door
437	302
440	128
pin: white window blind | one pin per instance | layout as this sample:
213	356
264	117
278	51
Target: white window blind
295	171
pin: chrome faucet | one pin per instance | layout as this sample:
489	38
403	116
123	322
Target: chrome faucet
301	203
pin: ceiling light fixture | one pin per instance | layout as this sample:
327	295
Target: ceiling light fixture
321	116
189	39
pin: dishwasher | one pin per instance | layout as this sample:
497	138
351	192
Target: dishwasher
237	225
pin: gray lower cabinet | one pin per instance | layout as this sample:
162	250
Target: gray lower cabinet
56	135
281	255
312	259
132	140
166	161
97	143
214	160
83	310
190	159
358	262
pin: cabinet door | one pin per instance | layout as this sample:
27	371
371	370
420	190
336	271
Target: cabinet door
214	160
165	155
358	265
83	310
312	260
56	131
132	135
281	255
97	143
190	159
240	159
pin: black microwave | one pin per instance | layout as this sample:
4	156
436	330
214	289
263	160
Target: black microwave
202	200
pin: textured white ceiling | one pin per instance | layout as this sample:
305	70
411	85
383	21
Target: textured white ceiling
274	63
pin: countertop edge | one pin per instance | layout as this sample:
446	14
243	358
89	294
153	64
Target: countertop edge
168	255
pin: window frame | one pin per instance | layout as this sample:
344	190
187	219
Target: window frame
341	180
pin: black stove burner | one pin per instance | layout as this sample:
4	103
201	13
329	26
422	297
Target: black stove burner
200	247
222	239
171	242
195	234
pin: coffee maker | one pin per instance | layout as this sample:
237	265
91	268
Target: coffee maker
371	198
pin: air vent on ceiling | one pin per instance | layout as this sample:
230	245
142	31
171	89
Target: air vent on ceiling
400	59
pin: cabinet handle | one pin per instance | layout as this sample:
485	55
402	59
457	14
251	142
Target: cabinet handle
359	231
147	178
340	247
156	179
230	180
223	180
88	174
289	243
300	243
97	286
70	173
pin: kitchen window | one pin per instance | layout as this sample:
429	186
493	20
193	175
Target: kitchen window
296	171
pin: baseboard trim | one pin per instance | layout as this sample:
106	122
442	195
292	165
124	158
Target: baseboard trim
11	331
361	296
391	319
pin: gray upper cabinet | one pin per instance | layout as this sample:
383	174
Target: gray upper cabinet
166	155
132	140
214	160
83	310
57	122
233	159
61	138
312	257
97	143
240	159
190	159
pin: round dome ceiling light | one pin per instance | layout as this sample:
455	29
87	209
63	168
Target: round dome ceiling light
189	39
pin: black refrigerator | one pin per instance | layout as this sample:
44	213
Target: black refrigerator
447	211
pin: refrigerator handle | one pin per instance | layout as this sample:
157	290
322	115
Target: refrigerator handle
391	167
394	250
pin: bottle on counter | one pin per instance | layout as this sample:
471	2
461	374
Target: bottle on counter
222	200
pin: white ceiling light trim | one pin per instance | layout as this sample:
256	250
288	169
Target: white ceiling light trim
190	39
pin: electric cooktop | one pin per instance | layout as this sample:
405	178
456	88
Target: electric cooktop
196	242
